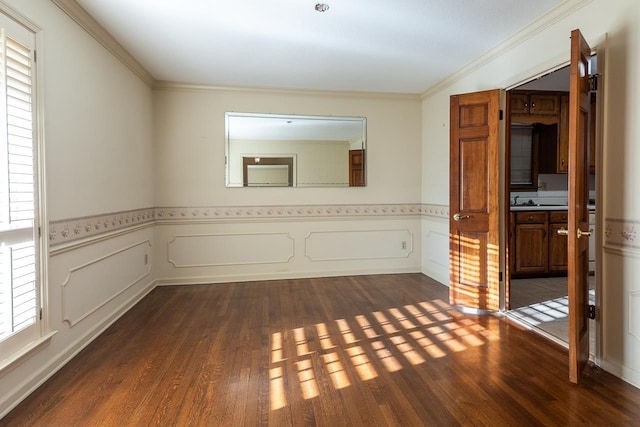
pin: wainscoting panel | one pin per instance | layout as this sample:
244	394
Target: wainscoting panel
92	285
358	245
209	250
634	315
435	248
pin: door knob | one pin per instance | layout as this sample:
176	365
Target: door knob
580	233
584	233
458	217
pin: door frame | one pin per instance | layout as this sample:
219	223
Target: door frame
598	47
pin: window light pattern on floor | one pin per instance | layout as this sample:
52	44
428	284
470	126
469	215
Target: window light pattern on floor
391	340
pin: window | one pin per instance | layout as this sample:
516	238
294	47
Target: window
19	243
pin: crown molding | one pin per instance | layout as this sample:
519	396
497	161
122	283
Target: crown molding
102	36
167	85
556	14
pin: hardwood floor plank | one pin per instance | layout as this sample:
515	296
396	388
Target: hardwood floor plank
344	351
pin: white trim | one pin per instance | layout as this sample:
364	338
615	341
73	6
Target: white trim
281	275
173	86
19	356
95	30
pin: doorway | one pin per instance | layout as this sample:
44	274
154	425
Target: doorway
536	288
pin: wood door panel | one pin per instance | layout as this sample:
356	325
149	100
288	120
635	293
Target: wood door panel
474	217
473	159
578	245
473	260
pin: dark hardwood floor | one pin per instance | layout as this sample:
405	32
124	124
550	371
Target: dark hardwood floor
347	351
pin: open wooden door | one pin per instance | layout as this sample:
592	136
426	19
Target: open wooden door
473	201
578	225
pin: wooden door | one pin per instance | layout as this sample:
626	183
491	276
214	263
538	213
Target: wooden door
578	227
473	193
356	168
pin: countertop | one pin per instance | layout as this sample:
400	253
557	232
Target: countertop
545	208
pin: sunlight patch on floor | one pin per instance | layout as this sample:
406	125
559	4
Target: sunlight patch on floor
345	351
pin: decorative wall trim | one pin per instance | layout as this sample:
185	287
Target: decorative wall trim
229	213
435	211
622	233
634	315
75	230
80	301
355	245
95	30
187	87
69	230
213	250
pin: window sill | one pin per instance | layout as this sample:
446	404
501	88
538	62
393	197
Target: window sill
24	353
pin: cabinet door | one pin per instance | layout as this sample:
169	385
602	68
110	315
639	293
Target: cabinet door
531	248
557	248
519	103
544	104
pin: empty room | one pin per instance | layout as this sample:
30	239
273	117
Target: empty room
302	213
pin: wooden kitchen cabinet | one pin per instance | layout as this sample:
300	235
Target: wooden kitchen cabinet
531	245
557	242
537	248
534	107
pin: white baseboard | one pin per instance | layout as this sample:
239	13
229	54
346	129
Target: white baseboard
200	280
624	373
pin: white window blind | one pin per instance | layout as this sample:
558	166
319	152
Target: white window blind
19	296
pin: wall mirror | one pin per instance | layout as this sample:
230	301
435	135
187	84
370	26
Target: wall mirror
276	150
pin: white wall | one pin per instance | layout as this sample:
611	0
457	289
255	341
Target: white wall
98	156
541	48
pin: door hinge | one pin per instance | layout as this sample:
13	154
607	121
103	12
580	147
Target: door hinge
592	311
40	314
35	56
593	82
501	115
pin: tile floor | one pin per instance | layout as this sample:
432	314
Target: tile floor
542	304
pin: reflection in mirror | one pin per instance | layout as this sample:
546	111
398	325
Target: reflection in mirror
273	150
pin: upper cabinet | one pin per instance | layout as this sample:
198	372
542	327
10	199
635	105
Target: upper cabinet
532	107
534	103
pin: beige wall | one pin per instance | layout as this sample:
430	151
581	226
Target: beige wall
210	233
98	158
190	146
541	48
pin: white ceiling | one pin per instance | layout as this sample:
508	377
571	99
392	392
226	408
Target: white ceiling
403	46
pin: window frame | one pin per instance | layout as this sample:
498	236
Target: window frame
9	356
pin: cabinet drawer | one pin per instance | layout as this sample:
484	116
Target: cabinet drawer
531	217
558	216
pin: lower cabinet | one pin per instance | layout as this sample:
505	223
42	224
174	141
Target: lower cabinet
531	245
557	243
537	247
